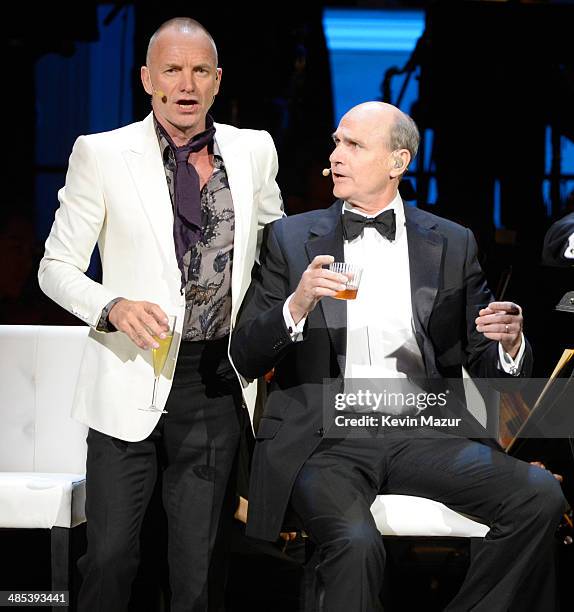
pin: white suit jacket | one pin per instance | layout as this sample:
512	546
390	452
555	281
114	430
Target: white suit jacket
116	195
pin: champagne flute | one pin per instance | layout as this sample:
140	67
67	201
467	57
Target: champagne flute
159	357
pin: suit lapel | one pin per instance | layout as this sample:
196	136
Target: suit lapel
146	168
326	238
239	174
425	246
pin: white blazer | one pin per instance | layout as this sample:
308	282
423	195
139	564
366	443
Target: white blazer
116	195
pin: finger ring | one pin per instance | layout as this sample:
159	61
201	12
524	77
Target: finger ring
506	328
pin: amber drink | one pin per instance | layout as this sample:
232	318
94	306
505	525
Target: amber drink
353	274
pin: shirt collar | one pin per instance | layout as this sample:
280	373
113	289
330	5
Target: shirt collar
395	204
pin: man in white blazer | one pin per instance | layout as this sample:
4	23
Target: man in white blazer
176	204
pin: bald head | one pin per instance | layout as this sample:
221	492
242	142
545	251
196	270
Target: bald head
183	25
396	128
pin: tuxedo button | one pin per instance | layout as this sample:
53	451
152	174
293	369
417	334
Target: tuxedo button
320	431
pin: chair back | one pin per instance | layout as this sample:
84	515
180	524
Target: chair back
38	372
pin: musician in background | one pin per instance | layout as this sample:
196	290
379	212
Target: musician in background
558	247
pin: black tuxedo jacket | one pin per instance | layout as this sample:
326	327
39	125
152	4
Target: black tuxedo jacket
448	289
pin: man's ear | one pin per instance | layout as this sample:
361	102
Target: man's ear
146	80
399	162
218	76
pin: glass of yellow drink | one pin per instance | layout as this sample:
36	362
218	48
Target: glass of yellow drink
159	357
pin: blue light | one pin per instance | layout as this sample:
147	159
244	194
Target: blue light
497	213
362	45
357	30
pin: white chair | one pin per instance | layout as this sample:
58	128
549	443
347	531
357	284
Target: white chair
42	450
409	516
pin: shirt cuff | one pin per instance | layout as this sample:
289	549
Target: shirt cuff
103	324
295	331
509	365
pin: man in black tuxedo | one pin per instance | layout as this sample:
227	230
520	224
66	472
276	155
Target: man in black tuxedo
423	310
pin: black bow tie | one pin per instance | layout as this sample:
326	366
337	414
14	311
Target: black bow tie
354	224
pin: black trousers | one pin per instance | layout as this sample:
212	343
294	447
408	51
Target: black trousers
513	570
194	447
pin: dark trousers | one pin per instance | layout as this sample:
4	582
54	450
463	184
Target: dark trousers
513	570
194	447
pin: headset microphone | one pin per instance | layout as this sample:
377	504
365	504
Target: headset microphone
158	92
161	95
326	171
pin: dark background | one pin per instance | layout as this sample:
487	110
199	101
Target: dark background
491	75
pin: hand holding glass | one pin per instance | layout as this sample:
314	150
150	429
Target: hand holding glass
159	357
353	273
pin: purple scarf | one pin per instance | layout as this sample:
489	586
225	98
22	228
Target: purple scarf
187	194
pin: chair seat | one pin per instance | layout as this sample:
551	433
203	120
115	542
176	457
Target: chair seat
36	500
406	515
